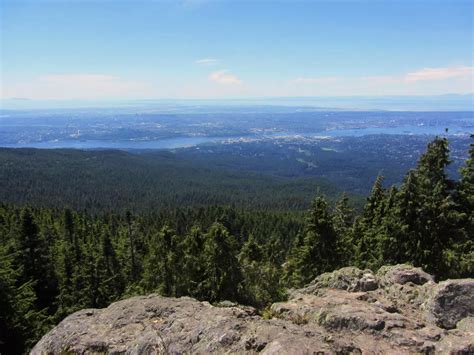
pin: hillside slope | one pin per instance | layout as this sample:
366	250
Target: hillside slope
117	180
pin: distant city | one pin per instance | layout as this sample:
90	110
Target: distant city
178	126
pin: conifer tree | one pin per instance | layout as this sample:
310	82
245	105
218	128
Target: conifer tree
461	258
20	322
92	292
466	191
368	237
193	263
222	273
291	277
70	275
262	283
435	221
32	257
401	247
343	220
319	250
110	277
131	241
159	273
275	250
374	204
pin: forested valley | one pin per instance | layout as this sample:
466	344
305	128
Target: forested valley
118	181
56	260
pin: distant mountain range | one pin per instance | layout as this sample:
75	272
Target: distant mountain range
448	102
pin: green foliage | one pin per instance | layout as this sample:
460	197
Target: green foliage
159	268
99	181
318	250
424	223
343	220
223	276
367	238
21	323
56	261
460	259
262	282
193	263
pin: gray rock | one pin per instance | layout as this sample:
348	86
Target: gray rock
341	312
460	340
402	274
155	324
349	278
450	302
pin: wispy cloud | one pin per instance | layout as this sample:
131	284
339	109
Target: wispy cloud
224	77
460	72
425	81
207	61
425	74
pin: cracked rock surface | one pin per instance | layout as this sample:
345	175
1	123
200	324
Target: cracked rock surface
398	310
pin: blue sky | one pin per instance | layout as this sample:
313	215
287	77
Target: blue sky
85	49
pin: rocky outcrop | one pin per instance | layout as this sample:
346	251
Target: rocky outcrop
156	324
451	301
348	278
403	274
398	310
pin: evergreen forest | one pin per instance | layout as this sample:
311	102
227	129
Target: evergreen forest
56	259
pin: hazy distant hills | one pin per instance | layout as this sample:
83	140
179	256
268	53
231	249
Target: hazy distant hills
448	102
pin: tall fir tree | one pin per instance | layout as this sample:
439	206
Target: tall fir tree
110	277
367	232
262	283
343	220
160	268
223	276
461	257
193	263
20	321
319	250
32	257
436	220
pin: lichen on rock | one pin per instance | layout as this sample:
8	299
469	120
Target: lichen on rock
349	278
398	310
402	274
451	301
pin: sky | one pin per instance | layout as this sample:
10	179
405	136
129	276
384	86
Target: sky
86	49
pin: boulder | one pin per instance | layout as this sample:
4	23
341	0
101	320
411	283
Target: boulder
402	274
350	279
450	302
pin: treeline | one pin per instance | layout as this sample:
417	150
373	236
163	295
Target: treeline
53	261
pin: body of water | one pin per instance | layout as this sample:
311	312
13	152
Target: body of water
165	143
181	142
